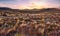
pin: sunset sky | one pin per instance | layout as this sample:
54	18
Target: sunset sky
30	4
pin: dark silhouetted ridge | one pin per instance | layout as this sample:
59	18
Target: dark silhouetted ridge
30	10
5	8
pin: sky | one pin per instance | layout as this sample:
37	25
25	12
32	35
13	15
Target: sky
30	4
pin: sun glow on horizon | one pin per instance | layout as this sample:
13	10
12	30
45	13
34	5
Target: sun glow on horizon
32	5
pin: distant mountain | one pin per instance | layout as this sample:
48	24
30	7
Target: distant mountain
5	8
31	10
40	10
50	9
